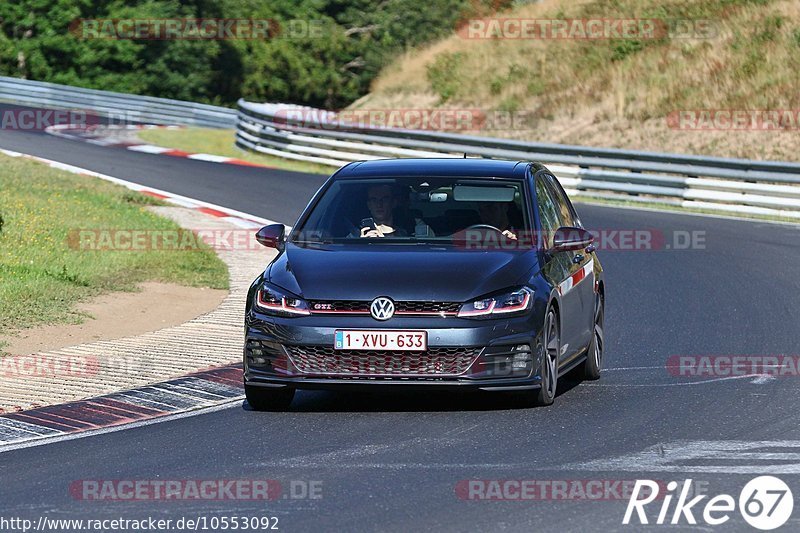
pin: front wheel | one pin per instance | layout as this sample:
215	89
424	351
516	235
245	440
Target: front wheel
594	355
266	399
550	350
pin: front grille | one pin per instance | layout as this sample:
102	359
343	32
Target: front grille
401	307
433	362
338	306
427	307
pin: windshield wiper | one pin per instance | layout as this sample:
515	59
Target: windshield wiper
384	240
312	242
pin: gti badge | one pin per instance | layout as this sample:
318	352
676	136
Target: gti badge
382	308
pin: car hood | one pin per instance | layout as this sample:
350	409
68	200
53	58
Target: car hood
401	272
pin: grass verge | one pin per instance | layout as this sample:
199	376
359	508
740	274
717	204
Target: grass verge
222	142
42	277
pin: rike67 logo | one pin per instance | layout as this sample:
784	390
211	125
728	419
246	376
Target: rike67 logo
765	503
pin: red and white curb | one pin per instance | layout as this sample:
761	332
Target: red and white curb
238	218
204	390
96	135
199	392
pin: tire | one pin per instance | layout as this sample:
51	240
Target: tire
594	354
550	349
265	399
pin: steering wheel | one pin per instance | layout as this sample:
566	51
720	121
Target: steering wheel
483	226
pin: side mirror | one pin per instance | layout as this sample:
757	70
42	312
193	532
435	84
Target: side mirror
566	239
271	236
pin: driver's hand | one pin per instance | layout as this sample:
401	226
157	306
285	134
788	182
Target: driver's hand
380	231
366	232
510	234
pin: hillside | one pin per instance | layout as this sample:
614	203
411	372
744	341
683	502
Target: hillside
673	90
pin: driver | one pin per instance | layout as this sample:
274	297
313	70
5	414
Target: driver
389	217
381	202
497	214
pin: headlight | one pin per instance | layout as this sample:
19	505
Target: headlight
514	302
273	301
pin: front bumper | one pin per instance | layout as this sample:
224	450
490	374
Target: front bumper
501	354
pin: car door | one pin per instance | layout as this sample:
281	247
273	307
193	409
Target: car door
581	268
558	268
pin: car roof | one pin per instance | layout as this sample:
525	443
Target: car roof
461	167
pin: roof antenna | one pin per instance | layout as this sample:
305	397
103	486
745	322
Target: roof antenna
465	155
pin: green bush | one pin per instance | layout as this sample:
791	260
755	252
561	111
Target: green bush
443	75
625	48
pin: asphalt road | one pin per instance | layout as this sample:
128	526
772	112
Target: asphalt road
393	462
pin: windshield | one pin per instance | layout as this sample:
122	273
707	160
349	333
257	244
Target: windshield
399	210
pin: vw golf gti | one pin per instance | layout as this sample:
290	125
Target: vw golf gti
445	273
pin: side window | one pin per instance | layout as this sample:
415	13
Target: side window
566	212
548	212
565	216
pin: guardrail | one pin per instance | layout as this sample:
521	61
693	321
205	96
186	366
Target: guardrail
712	183
128	107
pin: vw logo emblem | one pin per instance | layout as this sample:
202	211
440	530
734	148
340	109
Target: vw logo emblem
382	308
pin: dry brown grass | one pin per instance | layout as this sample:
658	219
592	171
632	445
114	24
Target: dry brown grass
615	93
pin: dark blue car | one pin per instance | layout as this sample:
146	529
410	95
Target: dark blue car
427	273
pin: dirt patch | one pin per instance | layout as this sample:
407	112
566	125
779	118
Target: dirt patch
120	314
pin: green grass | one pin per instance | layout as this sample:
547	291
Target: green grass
42	277
221	142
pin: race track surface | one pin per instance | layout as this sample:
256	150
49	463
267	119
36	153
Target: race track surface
393	462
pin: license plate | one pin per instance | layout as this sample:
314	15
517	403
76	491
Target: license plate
357	339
